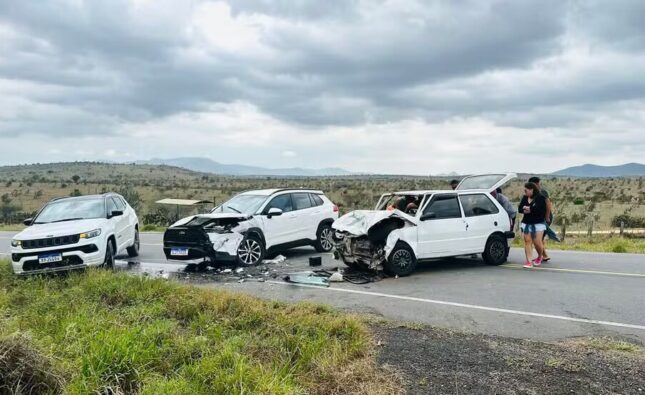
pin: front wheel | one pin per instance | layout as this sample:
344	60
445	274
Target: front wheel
133	250
324	239
251	251
109	256
401	262
496	251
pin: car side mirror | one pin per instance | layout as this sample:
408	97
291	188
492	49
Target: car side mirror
28	221
115	213
274	212
428	216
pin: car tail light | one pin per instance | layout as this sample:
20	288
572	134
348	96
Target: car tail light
335	208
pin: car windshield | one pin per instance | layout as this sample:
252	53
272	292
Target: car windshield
242	204
401	202
71	209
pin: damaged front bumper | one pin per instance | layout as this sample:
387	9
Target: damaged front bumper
200	245
359	252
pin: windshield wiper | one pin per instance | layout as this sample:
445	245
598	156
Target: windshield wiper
66	219
234	209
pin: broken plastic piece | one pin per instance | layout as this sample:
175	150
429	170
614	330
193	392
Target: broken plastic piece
336	277
307	278
278	259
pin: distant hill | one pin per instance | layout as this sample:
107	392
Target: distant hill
589	170
206	165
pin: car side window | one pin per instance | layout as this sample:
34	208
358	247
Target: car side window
477	204
316	200
283	202
111	205
443	207
301	201
119	203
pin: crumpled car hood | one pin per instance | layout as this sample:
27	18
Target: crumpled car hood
184	221
359	222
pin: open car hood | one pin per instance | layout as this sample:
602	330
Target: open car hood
359	222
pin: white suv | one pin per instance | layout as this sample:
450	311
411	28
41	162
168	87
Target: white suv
252	225
76	232
414	225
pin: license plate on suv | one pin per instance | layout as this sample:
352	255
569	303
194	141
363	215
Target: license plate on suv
50	258
179	251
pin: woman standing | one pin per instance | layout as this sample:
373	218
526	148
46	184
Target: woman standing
533	206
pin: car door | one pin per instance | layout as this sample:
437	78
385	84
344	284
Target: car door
129	219
307	216
482	219
441	227
120	225
279	229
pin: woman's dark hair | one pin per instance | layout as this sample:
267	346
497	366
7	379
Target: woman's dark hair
533	187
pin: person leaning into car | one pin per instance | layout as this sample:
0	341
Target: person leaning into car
533	226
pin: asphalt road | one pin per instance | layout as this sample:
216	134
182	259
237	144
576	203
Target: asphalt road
577	294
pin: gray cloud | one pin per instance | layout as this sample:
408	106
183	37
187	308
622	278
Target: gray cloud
88	68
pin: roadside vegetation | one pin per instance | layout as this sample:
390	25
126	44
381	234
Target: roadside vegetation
616	244
104	332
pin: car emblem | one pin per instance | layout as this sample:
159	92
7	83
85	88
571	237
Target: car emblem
182	233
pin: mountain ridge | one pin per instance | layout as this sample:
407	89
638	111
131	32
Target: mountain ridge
632	169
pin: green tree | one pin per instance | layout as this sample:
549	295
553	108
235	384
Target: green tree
76	178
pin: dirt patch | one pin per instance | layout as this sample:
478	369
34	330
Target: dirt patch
437	361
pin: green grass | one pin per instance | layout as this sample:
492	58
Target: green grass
596	244
99	331
609	344
153	228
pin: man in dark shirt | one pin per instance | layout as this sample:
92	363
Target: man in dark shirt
453	184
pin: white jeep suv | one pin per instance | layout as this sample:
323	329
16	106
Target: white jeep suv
252	225
415	225
76	232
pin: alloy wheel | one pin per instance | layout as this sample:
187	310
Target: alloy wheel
402	258
326	239
497	250
249	252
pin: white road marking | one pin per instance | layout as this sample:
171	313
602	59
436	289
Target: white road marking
4	253
556	269
469	306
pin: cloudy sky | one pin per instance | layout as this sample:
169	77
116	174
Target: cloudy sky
378	86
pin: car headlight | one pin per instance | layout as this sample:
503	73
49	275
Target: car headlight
16	243
91	234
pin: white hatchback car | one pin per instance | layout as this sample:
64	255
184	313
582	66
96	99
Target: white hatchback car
415	225
76	232
253	224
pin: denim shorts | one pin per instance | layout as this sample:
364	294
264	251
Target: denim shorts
533	228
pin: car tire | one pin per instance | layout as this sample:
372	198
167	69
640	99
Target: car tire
402	261
496	251
251	251
324	238
109	256
133	250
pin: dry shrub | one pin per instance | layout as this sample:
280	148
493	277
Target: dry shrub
23	370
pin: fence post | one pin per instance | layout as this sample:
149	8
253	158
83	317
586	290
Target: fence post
564	229
622	228
590	230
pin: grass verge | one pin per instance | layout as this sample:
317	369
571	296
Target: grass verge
104	332
596	244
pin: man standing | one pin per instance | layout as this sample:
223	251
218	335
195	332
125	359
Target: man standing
453	184
506	204
549	212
